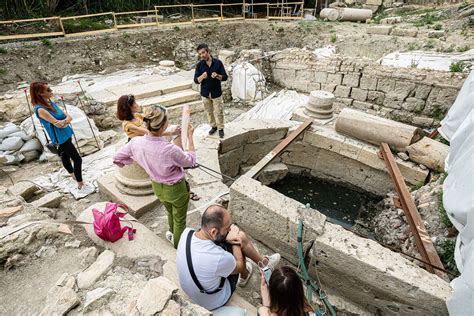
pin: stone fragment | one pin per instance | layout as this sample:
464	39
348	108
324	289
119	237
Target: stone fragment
172	309
66	280
403	156
155	295
96	297
46	251
9	211
49	200
73	244
408	32
88	277
380	29
391	20
436	33
60	300
351	79
23	189
342	91
359	94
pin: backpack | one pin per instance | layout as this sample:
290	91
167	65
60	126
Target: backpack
107	225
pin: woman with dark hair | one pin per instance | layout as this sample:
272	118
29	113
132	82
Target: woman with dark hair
164	162
56	124
284	295
132	121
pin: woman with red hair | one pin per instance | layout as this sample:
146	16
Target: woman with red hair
56	124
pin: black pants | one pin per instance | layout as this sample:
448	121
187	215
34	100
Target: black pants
68	152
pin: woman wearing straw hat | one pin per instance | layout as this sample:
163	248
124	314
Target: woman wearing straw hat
164	162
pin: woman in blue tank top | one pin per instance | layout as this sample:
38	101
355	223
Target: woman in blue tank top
56	124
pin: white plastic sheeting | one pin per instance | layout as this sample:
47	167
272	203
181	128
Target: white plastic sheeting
426	60
324	52
248	83
279	105
458	199
459	110
93	167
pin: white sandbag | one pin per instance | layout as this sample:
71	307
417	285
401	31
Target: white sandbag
21	134
8	129
14	159
248	83
31	145
31	155
459	110
11	143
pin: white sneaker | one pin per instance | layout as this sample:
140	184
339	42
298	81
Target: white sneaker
243	282
169	237
273	260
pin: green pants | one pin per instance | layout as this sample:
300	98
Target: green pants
175	198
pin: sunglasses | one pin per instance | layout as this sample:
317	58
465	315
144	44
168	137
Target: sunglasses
49	90
129	98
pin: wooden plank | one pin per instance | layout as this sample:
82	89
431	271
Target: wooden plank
422	238
125	26
207	5
173	5
135	12
234	19
90	32
30	20
206	19
255	170
85	16
231	4
24	36
284	18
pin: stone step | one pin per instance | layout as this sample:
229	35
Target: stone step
146	243
171	99
176	110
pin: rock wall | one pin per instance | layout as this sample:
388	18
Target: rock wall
415	96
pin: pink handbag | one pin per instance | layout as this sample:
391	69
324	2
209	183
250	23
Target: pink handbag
108	226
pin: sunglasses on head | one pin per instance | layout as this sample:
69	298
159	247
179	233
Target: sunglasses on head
129	98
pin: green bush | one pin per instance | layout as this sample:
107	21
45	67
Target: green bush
84	25
437	112
2	71
46	42
426	19
333	38
443	216
447	254
3	50
457	66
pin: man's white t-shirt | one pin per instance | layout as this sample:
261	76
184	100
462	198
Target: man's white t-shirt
210	263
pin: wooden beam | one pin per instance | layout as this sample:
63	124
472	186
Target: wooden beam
135	12
24	36
30	20
85	16
255	170
422	238
125	26
87	33
206	19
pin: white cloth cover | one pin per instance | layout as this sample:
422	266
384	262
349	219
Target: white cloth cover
458	200
248	83
459	110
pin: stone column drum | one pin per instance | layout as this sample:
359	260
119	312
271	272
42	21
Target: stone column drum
320	105
132	179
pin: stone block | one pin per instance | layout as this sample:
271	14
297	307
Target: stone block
385	85
351	79
272	173
342	91
328	87
392	101
380	29
436	33
413	105
230	161
24	189
368	82
96	298
334	79
51	200
60	300
423	121
254	152
362	105
391	20
320	77
94	272
422	91
137	206
376	97
408	32
155	295
404	89
359	94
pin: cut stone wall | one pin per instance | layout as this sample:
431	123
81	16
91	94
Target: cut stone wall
357	269
416	96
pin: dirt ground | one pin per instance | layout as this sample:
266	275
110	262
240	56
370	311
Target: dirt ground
54	58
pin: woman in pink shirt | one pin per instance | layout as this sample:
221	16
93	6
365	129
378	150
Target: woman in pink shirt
164	162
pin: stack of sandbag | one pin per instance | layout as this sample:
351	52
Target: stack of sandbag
18	146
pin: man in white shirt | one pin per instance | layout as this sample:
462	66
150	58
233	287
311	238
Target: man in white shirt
211	262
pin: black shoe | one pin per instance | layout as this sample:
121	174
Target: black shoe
221	133
212	130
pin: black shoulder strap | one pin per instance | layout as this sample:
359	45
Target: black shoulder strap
191	269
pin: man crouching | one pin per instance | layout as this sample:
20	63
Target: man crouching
212	261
